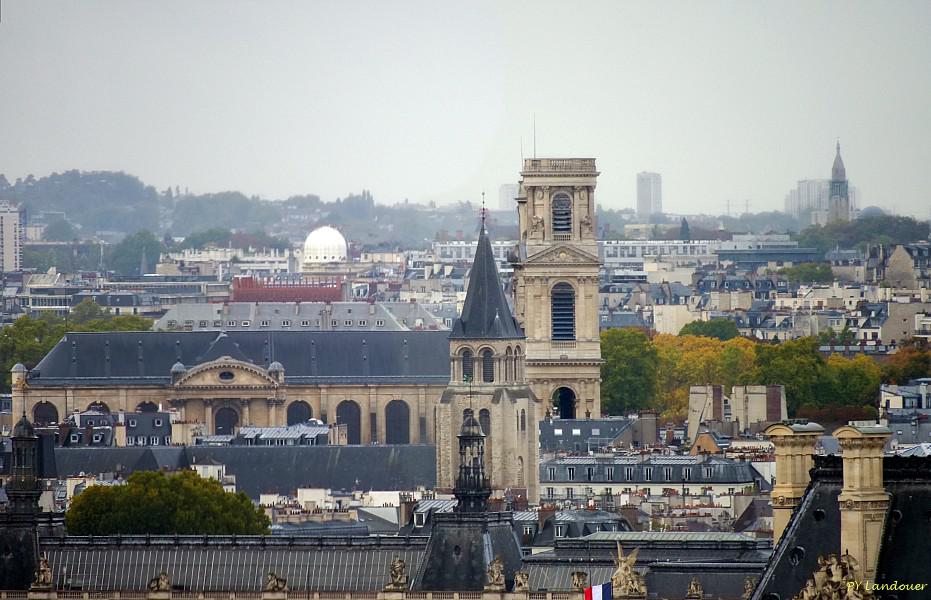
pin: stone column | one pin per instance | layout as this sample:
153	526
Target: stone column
863	499
246	418
272	412
794	443
208	415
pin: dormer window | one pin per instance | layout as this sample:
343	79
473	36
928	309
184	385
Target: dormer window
420	519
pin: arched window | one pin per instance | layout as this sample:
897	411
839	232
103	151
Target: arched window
562	317
508	365
44	413
147	406
225	421
488	366
299	412
484	419
349	413
562	213
523	420
518	365
397	422
520	471
467	365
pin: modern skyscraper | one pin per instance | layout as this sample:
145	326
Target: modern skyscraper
507	196
649	195
12	231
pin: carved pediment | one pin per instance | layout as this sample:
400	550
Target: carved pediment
226	372
563	255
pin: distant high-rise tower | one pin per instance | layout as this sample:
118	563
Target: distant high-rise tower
507	196
839	202
649	195
12	232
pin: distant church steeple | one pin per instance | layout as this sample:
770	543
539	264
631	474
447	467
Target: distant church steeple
839	201
472	487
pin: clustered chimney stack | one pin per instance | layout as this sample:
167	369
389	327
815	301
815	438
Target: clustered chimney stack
794	443
863	499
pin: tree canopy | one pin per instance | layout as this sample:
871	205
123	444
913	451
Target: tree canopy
29	339
809	273
158	503
720	328
874	229
642	373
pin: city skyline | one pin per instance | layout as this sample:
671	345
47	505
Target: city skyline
289	98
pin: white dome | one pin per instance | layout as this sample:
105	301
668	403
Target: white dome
324	245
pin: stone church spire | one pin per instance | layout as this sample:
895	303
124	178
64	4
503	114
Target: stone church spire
486	314
472	487
838	172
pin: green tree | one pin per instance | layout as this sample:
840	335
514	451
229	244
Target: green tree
809	273
158	503
907	364
27	341
856	380
684	233
628	374
87	310
798	366
60	230
126	257
720	328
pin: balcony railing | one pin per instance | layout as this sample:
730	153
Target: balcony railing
559	165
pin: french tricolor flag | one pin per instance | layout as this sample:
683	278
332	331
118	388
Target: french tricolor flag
598	592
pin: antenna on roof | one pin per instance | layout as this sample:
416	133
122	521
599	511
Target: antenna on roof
534	135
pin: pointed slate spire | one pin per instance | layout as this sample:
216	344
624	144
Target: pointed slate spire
838	172
486	314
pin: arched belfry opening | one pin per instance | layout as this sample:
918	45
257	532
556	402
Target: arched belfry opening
564	403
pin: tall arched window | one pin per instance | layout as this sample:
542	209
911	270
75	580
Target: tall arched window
488	366
518	365
562	316
523	420
562	213
508	366
484	419
467	365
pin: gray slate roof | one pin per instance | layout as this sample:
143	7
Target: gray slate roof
272	469
223	564
146	358
486	314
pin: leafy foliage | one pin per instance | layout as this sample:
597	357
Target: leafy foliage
720	328
153	502
29	339
126	257
809	273
631	387
642	373
876	229
60	230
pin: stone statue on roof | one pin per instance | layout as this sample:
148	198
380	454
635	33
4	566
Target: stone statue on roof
397	575
695	589
626	582
579	580
749	584
43	575
522	581
495	576
273	583
161	583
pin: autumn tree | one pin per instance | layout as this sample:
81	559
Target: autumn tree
157	503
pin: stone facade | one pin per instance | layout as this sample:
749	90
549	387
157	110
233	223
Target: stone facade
557	267
255	396
795	446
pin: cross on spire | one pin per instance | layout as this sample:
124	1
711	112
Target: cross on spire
483	210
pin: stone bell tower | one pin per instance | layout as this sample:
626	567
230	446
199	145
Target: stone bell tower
556	284
487	379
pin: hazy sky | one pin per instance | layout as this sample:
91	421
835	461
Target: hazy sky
430	100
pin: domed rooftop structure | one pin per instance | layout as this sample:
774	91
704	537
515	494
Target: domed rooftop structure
178	368
24	428
275	367
325	245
